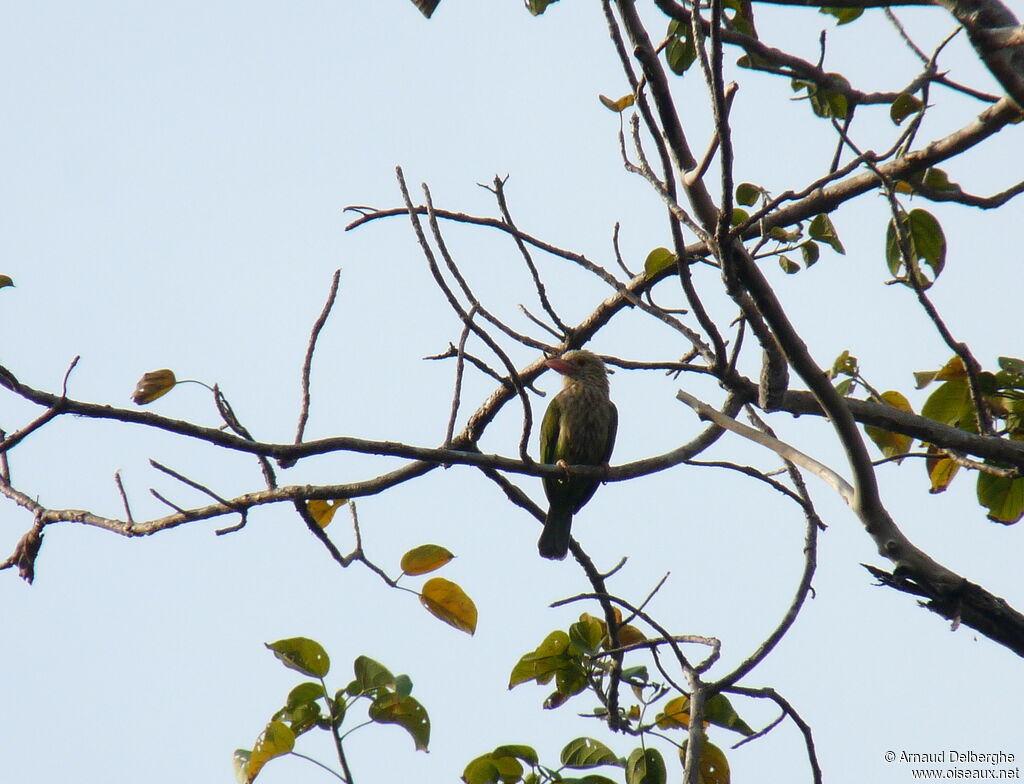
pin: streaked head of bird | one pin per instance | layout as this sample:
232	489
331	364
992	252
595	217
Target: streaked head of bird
581	367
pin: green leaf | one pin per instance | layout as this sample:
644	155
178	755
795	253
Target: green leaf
301	717
492	768
571	679
821	229
537	7
587	634
680	52
526	753
719	711
951	404
753	61
481	770
541	664
403	685
842	15
657	260
510	769
407	713
1012	365
845	387
927	244
302	654
748	194
845	365
304	693
370	676
738	19
810	251
782	235
928	239
646	766
938	179
904	106
789	266
825	102
1002	496
585	753
635	675
739	215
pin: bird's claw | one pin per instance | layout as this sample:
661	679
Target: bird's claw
564	466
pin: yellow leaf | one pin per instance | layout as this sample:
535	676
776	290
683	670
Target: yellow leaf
892	444
676	713
941	469
619	105
240	762
713	766
629	635
658	260
952	370
277	739
447	601
152	385
425	558
323	511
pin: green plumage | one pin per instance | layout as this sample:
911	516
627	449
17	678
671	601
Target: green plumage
578	429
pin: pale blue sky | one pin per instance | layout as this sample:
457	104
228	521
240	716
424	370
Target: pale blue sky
173	183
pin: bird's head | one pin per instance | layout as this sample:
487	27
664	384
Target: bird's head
581	366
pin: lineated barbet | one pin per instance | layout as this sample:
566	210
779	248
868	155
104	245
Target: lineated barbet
578	429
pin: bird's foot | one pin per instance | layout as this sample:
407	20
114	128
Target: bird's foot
564	466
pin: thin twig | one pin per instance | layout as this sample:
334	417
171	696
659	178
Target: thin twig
307	362
464	315
778	699
459	367
499	192
190	482
124	497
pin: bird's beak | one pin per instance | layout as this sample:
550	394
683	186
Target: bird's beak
559	365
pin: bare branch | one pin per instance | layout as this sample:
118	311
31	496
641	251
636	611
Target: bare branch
307	362
789	710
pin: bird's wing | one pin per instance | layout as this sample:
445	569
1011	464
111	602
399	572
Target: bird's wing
613	426
549	427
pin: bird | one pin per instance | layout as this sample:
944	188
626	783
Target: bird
578	429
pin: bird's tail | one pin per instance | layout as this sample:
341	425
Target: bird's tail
554	541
